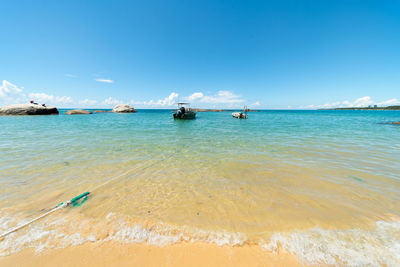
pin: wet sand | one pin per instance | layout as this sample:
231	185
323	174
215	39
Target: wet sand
183	254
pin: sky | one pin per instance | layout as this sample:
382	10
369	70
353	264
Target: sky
215	54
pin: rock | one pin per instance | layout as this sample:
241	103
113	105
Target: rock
123	108
77	111
28	109
101	111
396	122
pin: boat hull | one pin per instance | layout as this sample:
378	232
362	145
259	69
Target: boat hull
185	116
239	115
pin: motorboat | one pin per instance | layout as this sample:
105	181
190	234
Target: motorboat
184	112
241	115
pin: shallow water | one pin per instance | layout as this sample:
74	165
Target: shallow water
324	185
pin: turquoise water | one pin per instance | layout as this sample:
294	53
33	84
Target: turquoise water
281	179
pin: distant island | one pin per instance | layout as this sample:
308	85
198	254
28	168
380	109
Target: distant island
365	108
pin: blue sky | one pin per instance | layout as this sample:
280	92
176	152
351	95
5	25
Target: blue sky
265	54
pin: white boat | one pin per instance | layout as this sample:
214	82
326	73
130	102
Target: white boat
240	115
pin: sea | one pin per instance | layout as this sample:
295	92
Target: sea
323	185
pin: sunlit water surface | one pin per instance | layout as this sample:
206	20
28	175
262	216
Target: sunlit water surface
324	185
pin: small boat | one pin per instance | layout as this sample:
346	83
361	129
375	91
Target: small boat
241	115
184	112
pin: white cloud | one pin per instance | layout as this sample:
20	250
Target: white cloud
359	102
390	102
11	94
195	96
87	102
8	88
50	99
255	104
111	101
104	80
226	98
169	101
222	97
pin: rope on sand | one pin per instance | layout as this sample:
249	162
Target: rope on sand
75	201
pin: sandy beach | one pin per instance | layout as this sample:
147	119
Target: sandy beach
183	254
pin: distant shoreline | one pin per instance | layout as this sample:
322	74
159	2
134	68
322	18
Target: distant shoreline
365	108
221	110
96	110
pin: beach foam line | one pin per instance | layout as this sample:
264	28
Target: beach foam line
62	232
352	247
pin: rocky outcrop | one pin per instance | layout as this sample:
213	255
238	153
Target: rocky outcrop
396	122
101	111
123	108
77	111
28	109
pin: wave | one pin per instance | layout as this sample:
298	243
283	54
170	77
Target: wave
62	233
353	247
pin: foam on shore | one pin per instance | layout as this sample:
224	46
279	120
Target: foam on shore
352	247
